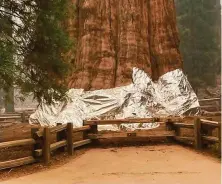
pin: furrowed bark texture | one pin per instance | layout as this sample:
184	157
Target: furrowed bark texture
113	36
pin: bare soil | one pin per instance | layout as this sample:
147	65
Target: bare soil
170	164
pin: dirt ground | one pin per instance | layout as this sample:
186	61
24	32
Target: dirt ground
170	164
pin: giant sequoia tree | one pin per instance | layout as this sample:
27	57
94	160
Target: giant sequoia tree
113	36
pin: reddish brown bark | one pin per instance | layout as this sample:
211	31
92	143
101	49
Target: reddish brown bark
113	36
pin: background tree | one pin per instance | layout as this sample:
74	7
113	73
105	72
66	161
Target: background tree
199	27
33	47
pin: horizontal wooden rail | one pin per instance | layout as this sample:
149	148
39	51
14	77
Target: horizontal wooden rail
183	125
81	143
210	138
17	162
10	114
60	144
84	128
210	107
209	100
22	142
180	138
208	122
127	121
140	120
150	134
210	114
53	146
57	145
117	121
9	117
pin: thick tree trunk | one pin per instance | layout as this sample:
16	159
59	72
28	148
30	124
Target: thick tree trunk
113	36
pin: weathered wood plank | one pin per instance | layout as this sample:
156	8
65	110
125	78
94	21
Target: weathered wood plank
209	106
84	128
125	121
40	132
140	120
179	138
9	117
57	145
81	143
209	100
53	147
210	114
208	122
183	125
17	143
17	162
210	138
148	133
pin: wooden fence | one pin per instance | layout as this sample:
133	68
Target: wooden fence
43	145
211	104
202	130
10	117
203	133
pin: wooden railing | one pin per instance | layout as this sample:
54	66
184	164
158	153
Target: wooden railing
9	117
43	144
211	104
203	133
20	161
202	130
94	134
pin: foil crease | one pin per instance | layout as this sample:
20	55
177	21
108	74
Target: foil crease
171	95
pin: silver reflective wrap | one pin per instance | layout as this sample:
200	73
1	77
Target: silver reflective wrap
171	95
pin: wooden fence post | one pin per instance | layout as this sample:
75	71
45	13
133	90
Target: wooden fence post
169	127
46	145
93	130
23	118
61	136
35	146
197	134
219	138
69	138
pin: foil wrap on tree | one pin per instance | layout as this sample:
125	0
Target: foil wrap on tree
171	95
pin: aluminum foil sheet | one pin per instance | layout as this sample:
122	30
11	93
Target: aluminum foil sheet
171	95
